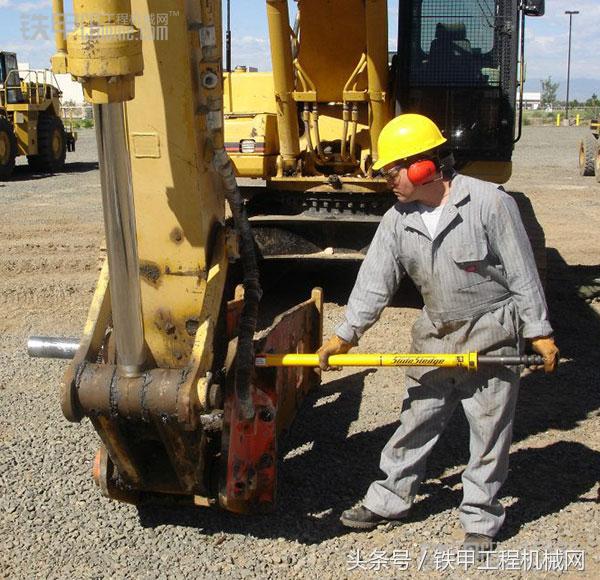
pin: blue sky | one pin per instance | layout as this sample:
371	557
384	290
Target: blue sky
546	38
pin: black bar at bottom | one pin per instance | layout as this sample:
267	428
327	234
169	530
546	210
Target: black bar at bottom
526	359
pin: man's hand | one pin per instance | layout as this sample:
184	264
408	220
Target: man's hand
335	345
545	346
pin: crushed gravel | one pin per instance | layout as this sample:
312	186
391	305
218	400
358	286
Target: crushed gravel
55	524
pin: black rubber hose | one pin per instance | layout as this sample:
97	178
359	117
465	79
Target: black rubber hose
252	291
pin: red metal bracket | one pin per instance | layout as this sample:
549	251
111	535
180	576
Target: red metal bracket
249	447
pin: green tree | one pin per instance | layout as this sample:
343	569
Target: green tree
593	101
549	90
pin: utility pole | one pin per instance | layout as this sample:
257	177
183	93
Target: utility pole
570	13
228	39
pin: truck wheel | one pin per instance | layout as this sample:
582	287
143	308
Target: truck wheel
588	149
52	146
8	149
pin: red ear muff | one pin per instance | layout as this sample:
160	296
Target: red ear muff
422	172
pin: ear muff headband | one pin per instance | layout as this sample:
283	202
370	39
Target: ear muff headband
421	172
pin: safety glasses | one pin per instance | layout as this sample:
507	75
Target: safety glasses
391	173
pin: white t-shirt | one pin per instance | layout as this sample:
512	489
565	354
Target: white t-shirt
431	216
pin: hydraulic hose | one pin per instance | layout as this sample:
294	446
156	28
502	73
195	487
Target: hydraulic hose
354	127
319	146
307	130
346	119
252	291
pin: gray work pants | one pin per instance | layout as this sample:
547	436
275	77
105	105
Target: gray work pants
488	398
489	405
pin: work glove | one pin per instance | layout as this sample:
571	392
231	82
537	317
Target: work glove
545	346
335	345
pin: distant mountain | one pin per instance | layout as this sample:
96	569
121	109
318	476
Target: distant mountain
580	89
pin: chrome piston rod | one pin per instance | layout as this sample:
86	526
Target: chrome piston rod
121	240
52	347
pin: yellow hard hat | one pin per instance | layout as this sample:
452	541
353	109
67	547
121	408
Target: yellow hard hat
405	136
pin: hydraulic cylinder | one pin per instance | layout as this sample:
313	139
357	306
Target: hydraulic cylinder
283	78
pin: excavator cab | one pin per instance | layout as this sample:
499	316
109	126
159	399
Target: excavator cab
456	63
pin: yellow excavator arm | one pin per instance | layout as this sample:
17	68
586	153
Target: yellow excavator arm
165	366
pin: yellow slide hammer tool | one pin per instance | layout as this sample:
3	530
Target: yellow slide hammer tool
470	361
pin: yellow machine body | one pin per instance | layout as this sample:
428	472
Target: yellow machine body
30	105
341	64
36	97
494	171
249	96
248	93
155	370
165	367
173	121
333	88
179	202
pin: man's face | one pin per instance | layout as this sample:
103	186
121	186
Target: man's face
396	174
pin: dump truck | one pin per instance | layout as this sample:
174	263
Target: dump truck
166	367
30	119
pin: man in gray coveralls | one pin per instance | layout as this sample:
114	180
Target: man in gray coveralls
462	242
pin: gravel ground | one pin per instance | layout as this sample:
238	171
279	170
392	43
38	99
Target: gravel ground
54	523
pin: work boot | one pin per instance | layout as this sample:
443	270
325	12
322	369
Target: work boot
362	518
478	543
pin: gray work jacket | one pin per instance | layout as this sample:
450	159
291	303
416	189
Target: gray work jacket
479	261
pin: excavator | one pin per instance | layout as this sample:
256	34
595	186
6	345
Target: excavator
309	129
166	367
